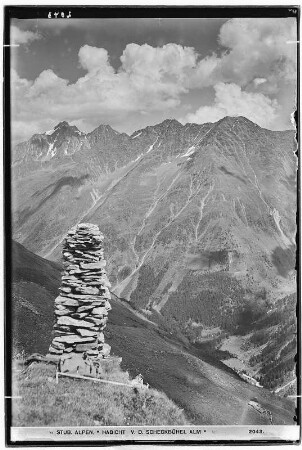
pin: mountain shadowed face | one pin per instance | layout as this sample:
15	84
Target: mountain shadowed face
168	192
284	260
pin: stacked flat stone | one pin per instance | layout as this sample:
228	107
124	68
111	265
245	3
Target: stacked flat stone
82	307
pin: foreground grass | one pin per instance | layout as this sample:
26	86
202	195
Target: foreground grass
74	402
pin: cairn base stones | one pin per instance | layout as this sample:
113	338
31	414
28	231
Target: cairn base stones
82	307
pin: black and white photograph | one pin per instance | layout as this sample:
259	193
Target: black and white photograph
151	224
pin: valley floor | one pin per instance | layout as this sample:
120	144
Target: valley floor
209	392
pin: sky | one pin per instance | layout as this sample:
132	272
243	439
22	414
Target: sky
130	73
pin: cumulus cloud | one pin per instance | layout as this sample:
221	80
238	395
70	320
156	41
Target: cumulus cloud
149	79
95	59
171	60
258	48
231	100
254	49
18	36
256	72
258	81
205	73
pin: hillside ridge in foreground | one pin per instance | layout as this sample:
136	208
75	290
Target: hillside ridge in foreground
207	391
76	402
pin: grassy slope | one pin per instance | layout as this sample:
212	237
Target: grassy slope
207	391
35	286
74	402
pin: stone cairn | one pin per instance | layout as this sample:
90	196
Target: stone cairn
82	307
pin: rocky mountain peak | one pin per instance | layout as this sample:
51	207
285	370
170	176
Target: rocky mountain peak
104	131
62	125
231	129
65	128
105	128
237	121
169	124
62	131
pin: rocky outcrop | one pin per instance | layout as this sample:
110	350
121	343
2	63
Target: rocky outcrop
82	307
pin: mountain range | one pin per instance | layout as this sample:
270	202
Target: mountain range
199	224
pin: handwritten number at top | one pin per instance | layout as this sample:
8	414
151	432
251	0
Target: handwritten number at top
56	14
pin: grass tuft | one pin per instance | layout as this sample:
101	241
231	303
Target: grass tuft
75	402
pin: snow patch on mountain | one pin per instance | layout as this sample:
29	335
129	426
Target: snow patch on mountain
152	145
277	219
139	156
189	152
51	150
49	132
133	137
